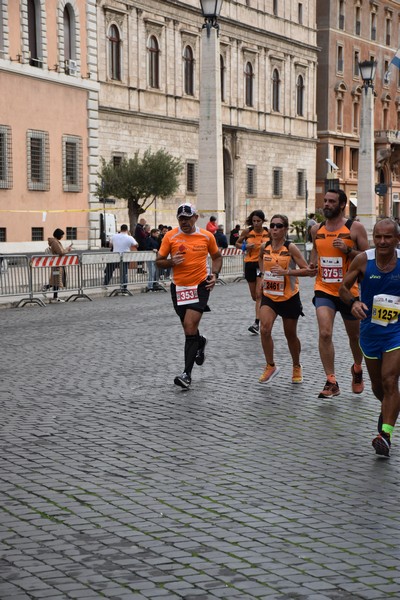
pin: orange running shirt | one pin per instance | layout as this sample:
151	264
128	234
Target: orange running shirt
332	263
257	239
278	287
195	247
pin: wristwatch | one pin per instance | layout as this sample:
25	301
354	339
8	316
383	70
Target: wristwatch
352	302
216	274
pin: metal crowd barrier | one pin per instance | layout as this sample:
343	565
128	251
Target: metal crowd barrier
44	269
232	265
118	271
30	277
14	275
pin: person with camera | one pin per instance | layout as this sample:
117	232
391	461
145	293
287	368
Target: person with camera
58	277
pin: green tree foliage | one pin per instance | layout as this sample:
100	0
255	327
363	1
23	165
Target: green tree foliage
140	181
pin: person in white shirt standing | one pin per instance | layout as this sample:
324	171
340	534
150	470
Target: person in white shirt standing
120	242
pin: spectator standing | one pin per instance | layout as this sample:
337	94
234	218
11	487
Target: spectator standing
212	225
140	234
310	223
153	244
234	235
221	238
120	242
58	278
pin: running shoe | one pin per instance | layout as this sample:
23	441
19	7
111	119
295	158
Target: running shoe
183	380
269	374
255	328
382	444
330	390
357	385
297	376
200	354
380	423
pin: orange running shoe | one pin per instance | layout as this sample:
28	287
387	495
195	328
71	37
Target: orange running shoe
297	376
357	385
269	374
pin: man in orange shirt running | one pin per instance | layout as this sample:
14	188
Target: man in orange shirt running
336	242
188	247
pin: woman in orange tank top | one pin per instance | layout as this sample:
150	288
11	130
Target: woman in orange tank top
281	262
253	237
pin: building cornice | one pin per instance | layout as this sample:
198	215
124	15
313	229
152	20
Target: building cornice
195	123
24	70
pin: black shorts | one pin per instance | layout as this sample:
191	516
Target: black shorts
200	306
335	303
287	309
251	271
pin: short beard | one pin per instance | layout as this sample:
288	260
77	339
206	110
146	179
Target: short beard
331	213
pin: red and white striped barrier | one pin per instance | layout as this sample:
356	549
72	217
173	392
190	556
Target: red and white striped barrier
231	251
54	261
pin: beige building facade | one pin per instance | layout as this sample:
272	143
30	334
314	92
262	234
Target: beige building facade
149	73
350	31
48	122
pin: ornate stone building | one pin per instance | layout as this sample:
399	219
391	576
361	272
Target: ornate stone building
149	58
48	121
350	31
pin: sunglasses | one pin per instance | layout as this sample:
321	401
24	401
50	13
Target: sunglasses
185	211
276	226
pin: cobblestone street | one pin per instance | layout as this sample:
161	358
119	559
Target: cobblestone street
117	484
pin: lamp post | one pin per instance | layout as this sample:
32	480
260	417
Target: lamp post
210	196
366	204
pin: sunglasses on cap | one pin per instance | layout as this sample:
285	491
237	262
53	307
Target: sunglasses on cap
185	210
276	225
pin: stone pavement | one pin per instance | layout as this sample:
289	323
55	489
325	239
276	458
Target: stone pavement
116	484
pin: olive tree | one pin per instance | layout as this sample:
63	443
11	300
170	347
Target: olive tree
139	180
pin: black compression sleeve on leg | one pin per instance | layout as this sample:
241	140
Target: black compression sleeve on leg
191	347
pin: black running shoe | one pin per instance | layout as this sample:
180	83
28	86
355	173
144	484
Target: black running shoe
200	354
254	329
382	444
183	380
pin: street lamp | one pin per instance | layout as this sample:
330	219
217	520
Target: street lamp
211	10
210	197
366	204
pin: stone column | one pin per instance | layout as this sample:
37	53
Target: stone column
211	172
366	204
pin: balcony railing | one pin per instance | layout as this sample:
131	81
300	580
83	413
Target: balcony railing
387	136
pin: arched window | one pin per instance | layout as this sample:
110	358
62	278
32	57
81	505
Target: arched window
188	71
34	33
385	117
222	75
114	53
154	63
68	27
248	74
276	90
1	32
356	117
300	96
339	114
